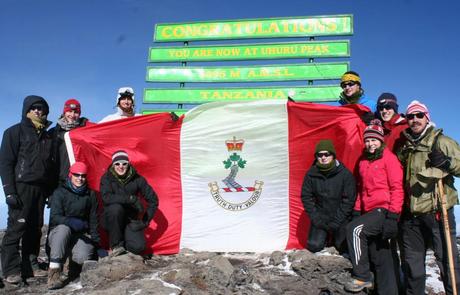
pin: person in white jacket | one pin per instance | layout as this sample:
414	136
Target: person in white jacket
125	105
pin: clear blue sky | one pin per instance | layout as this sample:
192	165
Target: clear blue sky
87	49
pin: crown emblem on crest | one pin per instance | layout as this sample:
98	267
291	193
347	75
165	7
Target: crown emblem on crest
234	144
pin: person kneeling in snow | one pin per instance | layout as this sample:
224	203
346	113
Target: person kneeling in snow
73	226
124	215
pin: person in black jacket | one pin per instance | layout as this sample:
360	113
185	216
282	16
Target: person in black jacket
328	196
69	120
124	215
26	169
73	225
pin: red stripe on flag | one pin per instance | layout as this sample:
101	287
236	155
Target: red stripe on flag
153	146
309	123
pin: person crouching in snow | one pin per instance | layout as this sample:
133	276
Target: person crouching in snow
328	196
73	225
124	215
376	213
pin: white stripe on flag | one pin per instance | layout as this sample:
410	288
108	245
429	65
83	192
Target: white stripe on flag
240	221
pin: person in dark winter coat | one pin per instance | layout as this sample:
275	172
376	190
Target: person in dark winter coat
328	196
69	120
376	213
73	225
26	169
124	216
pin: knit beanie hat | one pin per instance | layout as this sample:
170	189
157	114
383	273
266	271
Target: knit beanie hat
350	76
72	104
325	145
78	168
374	130
125	92
120	156
417	107
388	99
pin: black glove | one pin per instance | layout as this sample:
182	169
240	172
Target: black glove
101	253
13	201
367	117
148	216
174	116
318	221
136	203
76	224
390	226
439	160
136	225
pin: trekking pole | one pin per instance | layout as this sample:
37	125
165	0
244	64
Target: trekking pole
445	220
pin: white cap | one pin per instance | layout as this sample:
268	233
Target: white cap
125	90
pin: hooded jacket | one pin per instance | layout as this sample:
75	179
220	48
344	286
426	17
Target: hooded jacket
329	198
66	203
120	114
421	192
115	192
380	184
25	155
363	100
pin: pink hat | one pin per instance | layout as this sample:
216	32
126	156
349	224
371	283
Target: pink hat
417	107
374	130
78	168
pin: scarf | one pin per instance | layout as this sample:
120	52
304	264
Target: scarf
377	154
325	168
79	190
66	125
39	123
125	178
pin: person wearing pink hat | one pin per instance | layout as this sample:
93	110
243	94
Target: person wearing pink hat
70	119
73	226
376	213
425	150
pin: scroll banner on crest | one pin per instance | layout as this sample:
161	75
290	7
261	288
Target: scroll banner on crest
228	175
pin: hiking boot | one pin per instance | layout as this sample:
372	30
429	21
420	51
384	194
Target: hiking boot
13	279
40	273
54	279
355	285
117	251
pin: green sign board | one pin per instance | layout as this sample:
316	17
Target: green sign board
310	71
195	95
256	28
157	111
251	51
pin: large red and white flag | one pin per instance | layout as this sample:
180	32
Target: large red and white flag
228	175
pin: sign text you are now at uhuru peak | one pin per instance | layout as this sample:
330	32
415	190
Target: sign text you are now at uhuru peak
256	28
307	49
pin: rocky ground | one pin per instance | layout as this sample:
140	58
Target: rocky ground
292	272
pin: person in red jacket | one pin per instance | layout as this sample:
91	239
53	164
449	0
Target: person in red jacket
393	123
376	213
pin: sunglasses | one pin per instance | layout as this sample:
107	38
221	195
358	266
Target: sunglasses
385	106
36	107
79	175
412	116
325	154
121	164
349	84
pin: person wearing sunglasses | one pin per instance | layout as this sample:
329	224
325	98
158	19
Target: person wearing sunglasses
124	215
393	123
69	120
328	195
376	213
73	226
26	169
125	105
425	151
